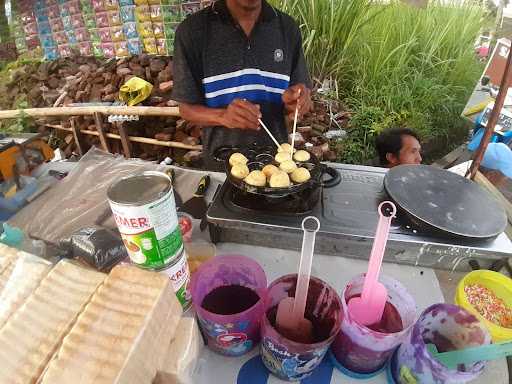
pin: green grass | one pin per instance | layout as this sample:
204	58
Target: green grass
392	65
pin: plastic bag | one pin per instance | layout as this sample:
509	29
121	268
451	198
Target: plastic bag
135	91
98	247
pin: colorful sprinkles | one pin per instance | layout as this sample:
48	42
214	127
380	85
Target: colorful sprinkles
489	305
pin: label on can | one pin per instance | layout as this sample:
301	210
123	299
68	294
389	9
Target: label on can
150	231
179	275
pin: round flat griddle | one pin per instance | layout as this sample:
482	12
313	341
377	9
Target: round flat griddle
445	201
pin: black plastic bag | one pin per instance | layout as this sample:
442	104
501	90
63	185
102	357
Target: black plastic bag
100	248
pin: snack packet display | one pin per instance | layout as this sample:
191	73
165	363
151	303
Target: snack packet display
145	29
102	19
130	30
85	48
105	35
121	48
142	13
134	47
108	49
114	18
158	30
150	46
127	13
116	33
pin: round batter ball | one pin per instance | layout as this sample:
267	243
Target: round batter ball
240	171
288	166
279	179
282	157
269	170
301	155
300	175
237	158
285	147
256	178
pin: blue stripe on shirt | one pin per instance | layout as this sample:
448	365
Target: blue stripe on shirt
245	80
255	96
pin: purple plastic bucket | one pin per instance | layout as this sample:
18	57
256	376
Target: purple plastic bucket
449	327
230	335
288	359
362	350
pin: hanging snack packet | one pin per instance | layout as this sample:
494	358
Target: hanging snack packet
98	5
117	33
143	13
130	30
108	49
102	19
77	21
56	25
51	53
85	48
145	29
158	30
64	50
161	46
121	48
127	13
111	5
60	37
150	46
105	35
82	35
155	13
134	47
122	3
114	18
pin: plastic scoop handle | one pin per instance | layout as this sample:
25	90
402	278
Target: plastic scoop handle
306	259
471	355
378	248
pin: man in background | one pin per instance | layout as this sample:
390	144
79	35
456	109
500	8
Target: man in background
398	146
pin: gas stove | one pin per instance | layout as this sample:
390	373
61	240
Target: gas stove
348	217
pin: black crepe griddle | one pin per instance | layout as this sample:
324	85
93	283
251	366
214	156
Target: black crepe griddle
445	202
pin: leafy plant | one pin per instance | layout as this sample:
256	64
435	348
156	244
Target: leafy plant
392	64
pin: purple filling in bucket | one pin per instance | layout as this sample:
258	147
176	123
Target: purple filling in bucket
290	360
450	328
363	349
230	334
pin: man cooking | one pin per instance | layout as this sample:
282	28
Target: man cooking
398	146
235	62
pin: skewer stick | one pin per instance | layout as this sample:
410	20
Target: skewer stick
270	134
294	126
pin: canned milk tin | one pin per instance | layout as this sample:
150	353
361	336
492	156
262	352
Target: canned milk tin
145	212
179	274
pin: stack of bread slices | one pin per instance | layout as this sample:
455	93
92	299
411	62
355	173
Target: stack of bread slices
66	323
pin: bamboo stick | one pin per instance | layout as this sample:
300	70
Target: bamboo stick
85	111
493	119
135	139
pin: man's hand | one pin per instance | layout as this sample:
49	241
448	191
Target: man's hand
241	114
299	95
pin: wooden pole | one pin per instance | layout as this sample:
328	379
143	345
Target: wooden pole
89	111
493	118
125	141
77	136
135	139
98	119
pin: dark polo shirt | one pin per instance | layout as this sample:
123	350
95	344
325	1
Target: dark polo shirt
215	63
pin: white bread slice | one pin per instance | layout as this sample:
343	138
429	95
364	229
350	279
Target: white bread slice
31	336
8	256
121	335
181	357
28	271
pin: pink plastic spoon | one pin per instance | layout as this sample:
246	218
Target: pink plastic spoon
290	319
368	308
